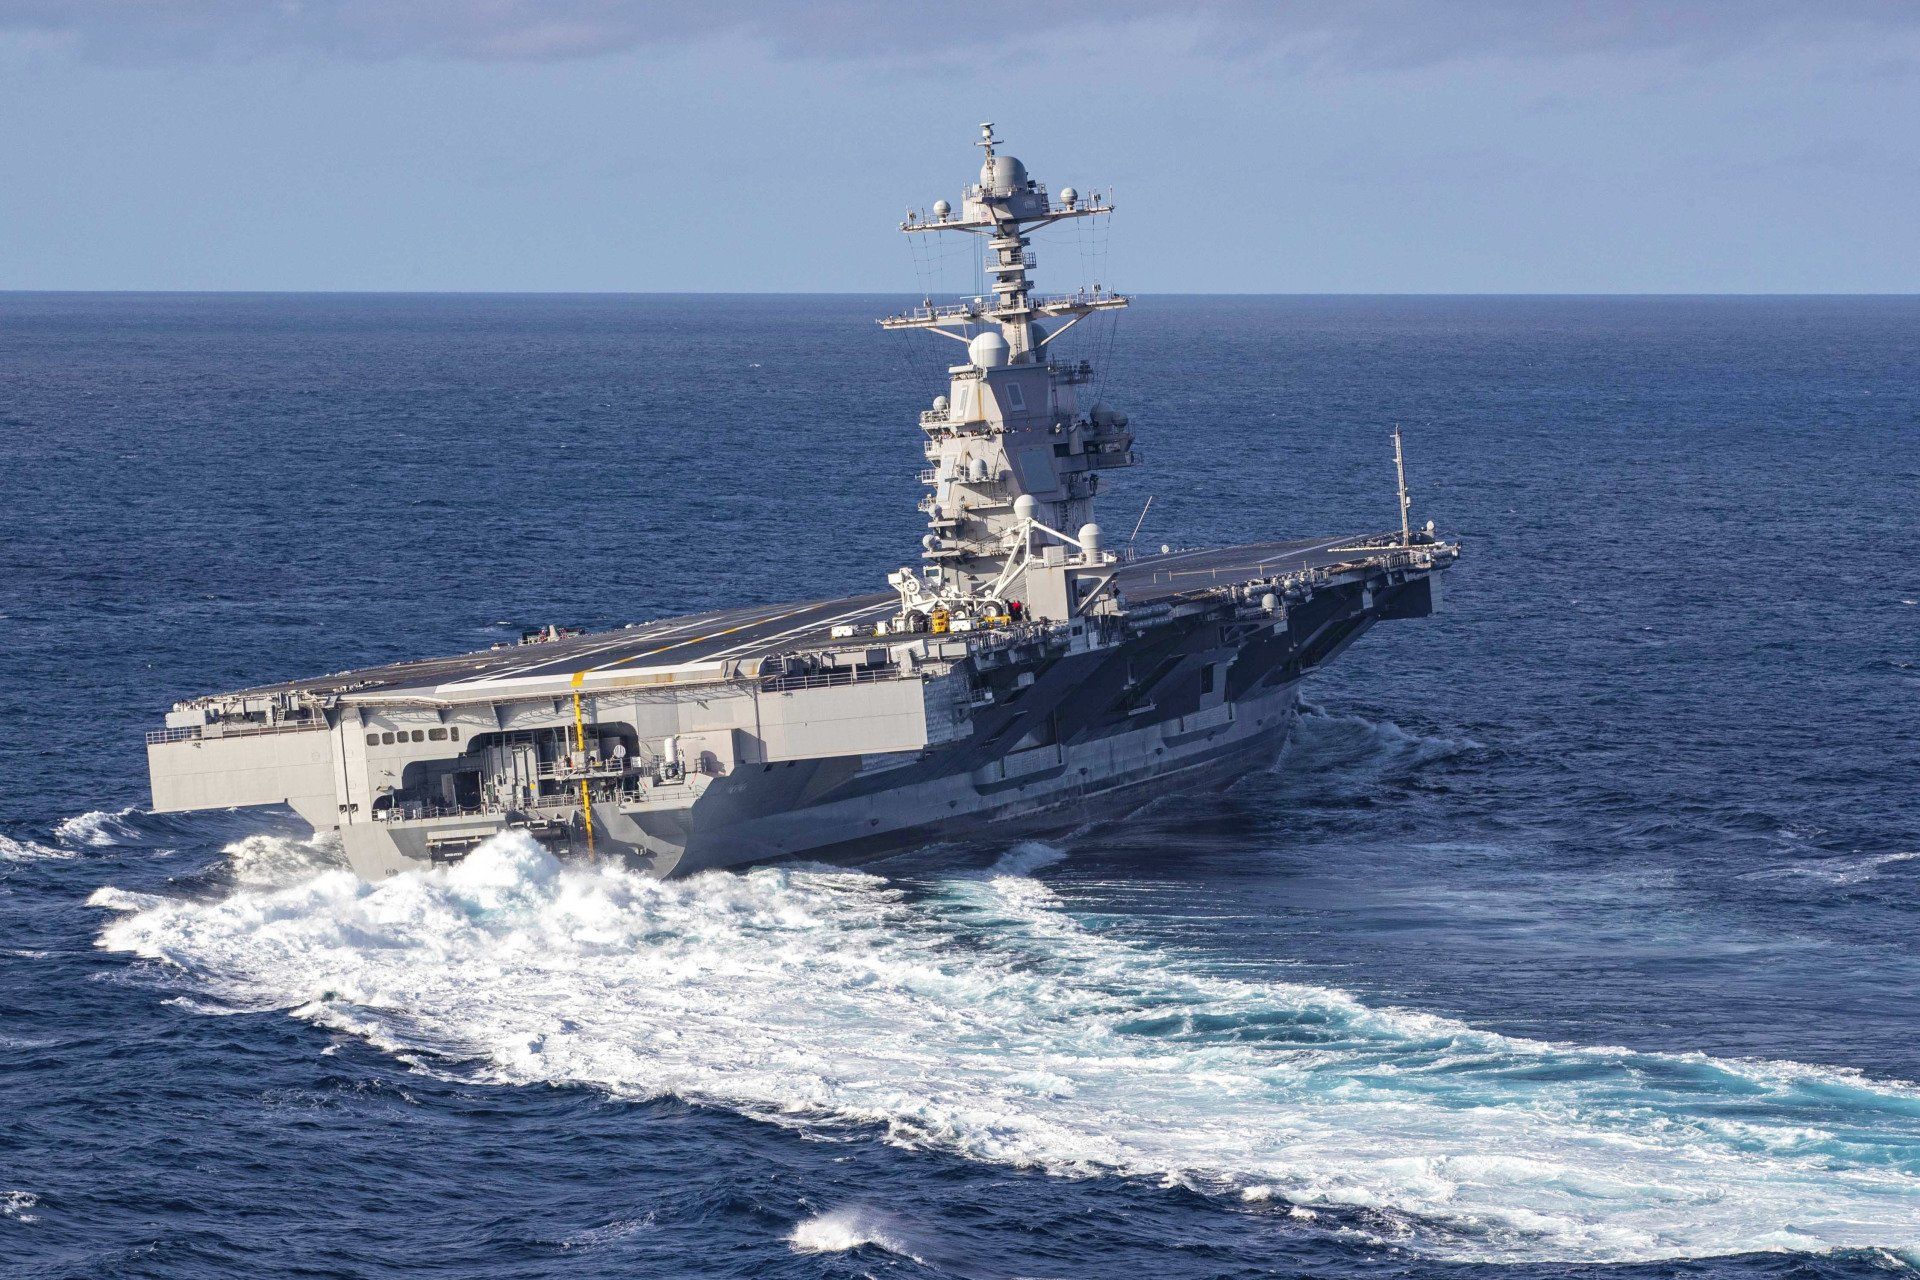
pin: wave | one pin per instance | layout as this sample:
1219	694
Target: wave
1336	741
845	1229
269	861
12	850
99	828
1839	871
978	1017
1026	858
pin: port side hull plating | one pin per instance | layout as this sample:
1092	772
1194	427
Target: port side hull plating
749	818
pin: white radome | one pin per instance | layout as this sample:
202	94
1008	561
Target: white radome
987	351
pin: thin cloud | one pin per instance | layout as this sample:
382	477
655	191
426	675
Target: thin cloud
1381	33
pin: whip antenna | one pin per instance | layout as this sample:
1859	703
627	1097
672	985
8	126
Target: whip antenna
1137	523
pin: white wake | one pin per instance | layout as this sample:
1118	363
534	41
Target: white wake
981	1019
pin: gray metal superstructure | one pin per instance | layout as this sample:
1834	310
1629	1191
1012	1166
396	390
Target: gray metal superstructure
1022	678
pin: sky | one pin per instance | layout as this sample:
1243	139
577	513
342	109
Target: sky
1320	146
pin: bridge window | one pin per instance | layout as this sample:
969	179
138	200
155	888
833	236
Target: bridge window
436	735
373	739
419	735
387	738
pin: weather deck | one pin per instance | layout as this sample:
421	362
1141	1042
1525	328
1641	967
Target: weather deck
748	633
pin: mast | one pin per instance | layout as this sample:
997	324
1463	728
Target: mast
1406	502
1015	457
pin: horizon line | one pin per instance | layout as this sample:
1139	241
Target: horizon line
872	293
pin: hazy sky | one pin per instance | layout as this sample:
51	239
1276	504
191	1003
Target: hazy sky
1365	146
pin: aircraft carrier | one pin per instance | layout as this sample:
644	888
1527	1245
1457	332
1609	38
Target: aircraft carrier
1023	677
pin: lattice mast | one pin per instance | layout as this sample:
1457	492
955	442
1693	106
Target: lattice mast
1014	459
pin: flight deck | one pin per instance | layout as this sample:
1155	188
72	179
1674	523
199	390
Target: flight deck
744	635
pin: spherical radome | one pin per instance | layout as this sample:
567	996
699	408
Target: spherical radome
987	351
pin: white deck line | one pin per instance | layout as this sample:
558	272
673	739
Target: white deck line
655	630
751	621
819	624
1297	551
560	684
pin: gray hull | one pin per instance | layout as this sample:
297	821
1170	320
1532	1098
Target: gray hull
758	816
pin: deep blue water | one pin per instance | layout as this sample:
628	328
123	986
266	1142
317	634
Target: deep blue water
1573	936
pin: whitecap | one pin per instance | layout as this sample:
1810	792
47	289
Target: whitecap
12	850
98	828
982	1019
15	1205
845	1229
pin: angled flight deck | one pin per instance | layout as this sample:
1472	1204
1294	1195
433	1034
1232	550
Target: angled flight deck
742	636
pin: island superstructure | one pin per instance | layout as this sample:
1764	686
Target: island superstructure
1022	677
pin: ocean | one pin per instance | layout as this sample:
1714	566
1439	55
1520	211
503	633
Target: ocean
1573	934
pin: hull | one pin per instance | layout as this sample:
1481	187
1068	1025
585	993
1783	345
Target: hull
754	817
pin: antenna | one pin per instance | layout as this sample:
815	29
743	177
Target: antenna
1137	523
1406	502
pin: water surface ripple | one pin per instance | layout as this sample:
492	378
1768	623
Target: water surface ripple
1573	936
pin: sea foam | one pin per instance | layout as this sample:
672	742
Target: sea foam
980	1018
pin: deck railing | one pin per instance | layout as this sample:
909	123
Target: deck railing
229	730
